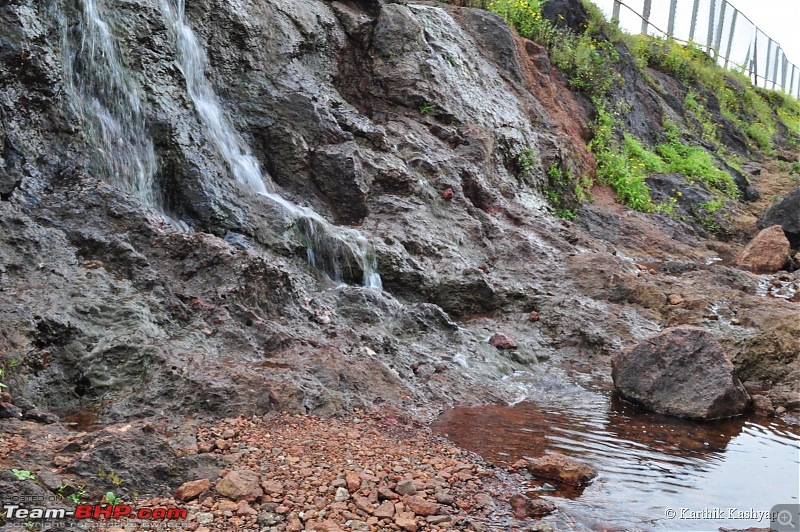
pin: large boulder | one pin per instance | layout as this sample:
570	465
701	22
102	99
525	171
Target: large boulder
785	213
682	372
768	252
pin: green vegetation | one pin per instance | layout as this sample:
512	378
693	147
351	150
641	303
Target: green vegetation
624	170
695	163
113	477
4	367
560	181
23	474
715	98
427	108
586	60
527	159
112	499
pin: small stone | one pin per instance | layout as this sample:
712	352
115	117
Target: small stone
362	503
227	506
675	299
243	509
533	316
191	490
524	507
501	341
438	519
484	500
557	466
240	484
341	495
386	493
384	511
406	487
228	434
222	445
763	405
352	480
421	506
442	497
204	518
406	521
272	487
448	194
205	446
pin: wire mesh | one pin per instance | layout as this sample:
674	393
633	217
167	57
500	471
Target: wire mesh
724	32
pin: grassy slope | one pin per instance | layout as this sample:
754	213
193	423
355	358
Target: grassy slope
768	120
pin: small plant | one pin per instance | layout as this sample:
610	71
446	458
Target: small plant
113	477
527	159
76	496
5	366
112	499
23	474
567	214
428	109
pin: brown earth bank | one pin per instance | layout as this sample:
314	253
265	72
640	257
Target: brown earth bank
428	128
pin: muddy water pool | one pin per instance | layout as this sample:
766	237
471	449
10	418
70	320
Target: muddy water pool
647	464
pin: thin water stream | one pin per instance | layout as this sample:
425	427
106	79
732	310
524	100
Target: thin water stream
109	102
329	248
105	95
648	464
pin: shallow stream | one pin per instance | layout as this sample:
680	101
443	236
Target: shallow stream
648	464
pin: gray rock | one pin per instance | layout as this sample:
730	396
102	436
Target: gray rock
785	213
683	372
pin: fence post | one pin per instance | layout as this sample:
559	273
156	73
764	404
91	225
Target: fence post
615	12
778	51
720	27
730	36
748	65
791	82
784	68
695	9
710	37
755	59
646	15
766	65
673	6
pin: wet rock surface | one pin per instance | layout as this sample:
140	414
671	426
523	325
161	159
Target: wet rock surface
560	468
683	372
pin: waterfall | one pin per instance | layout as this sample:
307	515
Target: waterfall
328	248
108	100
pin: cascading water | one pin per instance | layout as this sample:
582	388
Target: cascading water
328	248
108	100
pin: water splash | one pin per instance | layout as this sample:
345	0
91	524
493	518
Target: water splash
106	97
330	249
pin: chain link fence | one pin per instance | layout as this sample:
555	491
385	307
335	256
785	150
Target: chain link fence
724	32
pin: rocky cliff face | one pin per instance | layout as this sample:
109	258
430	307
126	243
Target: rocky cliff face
427	128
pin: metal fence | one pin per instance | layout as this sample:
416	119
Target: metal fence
716	26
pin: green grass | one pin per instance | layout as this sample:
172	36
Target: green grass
624	173
695	163
590	57
586	60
